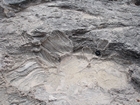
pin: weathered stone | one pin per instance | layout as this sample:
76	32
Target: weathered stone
2	14
72	52
13	2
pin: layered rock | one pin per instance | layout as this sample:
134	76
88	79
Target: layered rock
71	52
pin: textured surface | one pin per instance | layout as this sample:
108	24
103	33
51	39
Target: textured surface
69	52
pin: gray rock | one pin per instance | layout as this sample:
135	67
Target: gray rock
43	37
2	15
135	76
13	2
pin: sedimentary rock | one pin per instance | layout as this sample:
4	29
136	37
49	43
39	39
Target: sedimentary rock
71	52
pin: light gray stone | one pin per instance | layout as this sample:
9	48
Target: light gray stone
72	52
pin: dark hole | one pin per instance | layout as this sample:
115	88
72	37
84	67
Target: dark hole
98	53
137	2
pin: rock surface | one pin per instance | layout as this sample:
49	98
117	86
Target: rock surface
9	2
69	52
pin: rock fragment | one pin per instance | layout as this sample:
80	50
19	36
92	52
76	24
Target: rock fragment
14	2
2	14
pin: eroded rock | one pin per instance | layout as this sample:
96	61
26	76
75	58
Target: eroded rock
71	52
2	15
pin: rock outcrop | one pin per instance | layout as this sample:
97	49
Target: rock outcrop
69	52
